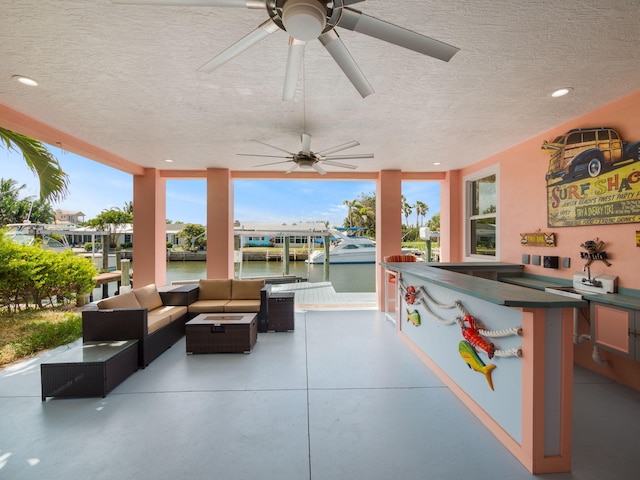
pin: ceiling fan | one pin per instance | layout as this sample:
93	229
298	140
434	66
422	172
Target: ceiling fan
306	20
305	158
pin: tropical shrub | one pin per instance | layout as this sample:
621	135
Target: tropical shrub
91	246
30	275
193	234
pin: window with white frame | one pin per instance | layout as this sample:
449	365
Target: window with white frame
481	216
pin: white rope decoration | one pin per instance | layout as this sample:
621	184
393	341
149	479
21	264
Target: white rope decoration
509	352
505	332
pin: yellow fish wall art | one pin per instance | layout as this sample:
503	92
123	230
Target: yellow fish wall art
474	362
413	317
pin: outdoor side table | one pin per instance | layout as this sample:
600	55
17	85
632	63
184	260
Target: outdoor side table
221	333
281	311
183	295
90	370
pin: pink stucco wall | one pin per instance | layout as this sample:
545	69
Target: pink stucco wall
523	201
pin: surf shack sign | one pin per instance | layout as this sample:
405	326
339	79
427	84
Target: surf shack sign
592	186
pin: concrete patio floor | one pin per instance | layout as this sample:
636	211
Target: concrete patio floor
341	397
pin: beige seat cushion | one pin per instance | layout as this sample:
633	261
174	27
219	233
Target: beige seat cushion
244	306
148	297
207	306
246	289
124	300
214	289
157	321
175	312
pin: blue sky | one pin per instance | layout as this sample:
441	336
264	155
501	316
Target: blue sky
94	187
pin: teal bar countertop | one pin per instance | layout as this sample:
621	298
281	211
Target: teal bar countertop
493	291
625	298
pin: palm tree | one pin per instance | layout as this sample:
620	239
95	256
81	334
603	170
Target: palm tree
352	208
406	210
53	181
128	208
421	210
14	209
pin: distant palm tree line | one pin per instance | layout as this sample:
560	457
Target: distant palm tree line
361	213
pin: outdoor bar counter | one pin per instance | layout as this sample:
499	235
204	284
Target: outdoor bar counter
449	314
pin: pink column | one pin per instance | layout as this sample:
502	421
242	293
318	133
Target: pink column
451	218
388	223
149	217
219	223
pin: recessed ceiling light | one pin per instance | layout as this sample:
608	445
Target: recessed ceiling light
168	160
437	163
25	80
561	92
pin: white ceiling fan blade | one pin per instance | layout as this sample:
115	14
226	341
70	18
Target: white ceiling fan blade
349	157
196	3
277	148
339	148
336	164
318	169
261	156
332	42
263	31
295	165
273	163
346	3
294	66
306	143
352	19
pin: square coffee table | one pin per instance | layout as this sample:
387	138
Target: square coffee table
92	369
222	333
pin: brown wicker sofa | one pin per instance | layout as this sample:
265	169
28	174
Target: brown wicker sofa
141	314
230	295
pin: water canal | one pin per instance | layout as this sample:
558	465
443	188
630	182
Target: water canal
345	278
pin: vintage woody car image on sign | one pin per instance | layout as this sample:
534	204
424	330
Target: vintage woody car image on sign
593	178
588	152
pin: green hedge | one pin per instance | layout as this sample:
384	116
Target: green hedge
30	275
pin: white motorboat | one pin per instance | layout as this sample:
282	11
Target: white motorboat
346	249
352	249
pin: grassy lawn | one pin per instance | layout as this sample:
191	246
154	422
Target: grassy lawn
24	334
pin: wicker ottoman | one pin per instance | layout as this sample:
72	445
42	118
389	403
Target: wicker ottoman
222	333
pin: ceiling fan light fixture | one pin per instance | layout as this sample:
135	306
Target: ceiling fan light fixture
305	163
304	19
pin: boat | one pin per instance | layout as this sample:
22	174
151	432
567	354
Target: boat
28	233
351	249
346	249
55	237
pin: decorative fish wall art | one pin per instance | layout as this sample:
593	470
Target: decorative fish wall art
474	362
413	317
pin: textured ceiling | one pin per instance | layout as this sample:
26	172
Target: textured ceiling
125	79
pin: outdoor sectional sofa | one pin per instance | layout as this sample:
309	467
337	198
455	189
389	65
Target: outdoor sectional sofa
139	314
232	296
